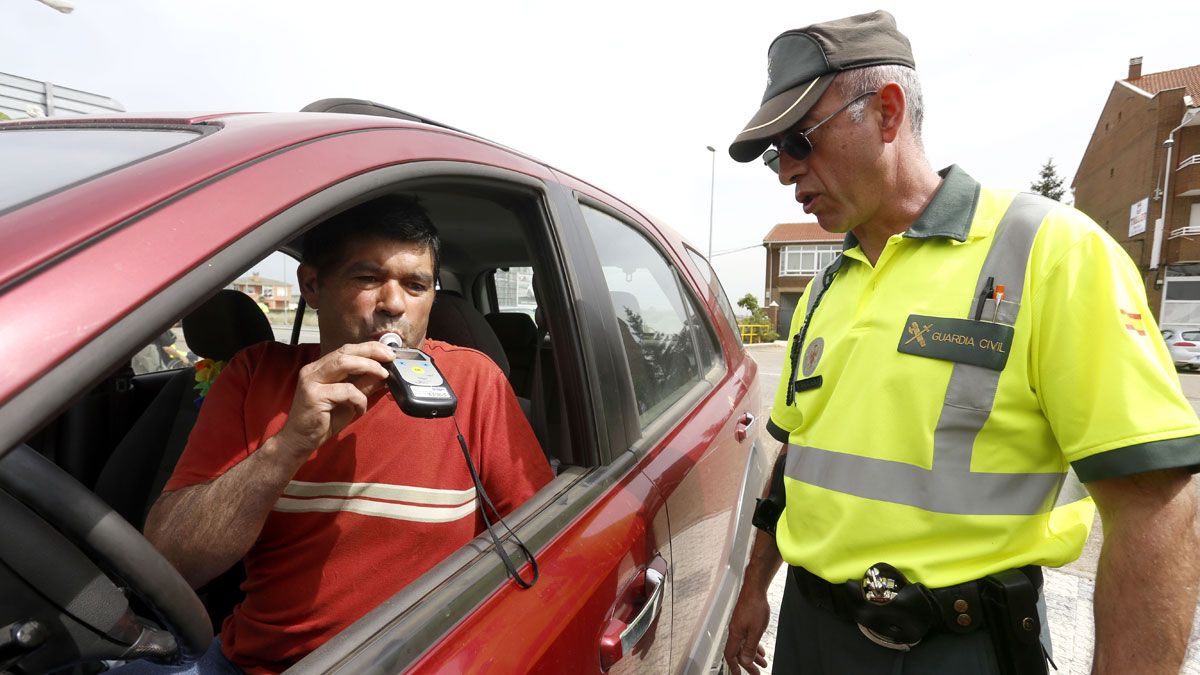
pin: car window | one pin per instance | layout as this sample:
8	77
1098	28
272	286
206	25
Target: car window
52	159
514	291
666	346
168	351
271	283
710	278
1191	335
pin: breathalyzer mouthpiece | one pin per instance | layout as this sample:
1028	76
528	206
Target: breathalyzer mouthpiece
392	340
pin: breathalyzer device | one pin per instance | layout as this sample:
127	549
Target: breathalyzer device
416	383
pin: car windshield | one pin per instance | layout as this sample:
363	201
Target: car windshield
41	161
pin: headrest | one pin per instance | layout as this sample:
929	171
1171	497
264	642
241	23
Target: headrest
453	319
623	301
514	329
224	325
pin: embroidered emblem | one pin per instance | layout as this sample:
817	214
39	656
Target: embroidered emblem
918	333
812	356
1133	322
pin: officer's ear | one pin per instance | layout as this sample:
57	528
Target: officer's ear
893	109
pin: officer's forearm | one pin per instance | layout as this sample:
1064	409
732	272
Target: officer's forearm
764	562
1149	566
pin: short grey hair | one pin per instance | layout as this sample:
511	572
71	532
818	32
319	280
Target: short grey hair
854	82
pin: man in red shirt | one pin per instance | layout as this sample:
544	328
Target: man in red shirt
302	465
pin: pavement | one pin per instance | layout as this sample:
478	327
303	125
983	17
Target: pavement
1068	589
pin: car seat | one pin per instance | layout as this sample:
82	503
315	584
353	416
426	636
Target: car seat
455	320
139	467
518	335
135	473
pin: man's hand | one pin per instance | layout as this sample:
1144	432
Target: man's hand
331	392
751	615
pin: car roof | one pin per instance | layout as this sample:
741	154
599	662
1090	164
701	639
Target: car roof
50	226
44	228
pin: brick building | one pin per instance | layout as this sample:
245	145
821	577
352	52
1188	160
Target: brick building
1144	159
276	295
795	253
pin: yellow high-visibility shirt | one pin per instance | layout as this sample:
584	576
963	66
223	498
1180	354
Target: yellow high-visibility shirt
894	375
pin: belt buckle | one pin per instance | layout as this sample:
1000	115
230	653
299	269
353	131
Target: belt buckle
880	585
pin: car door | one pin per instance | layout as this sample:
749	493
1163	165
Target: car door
697	401
599	530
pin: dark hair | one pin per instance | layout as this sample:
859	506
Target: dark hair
393	217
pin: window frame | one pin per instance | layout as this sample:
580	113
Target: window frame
817	251
720	297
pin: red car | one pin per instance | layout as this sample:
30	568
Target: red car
614	332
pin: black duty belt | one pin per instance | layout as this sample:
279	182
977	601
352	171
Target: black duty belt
901	613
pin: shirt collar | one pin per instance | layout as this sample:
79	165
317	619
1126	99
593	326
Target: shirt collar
948	214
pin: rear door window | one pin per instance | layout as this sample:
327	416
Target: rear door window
667	343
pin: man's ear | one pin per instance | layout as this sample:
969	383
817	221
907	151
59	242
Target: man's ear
309	288
893	109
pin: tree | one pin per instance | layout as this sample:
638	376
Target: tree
749	303
1049	183
758	316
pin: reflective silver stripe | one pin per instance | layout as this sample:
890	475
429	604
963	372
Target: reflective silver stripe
950	486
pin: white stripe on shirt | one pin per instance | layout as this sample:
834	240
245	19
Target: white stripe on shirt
396	493
368	507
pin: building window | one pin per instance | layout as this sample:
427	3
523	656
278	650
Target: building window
796	261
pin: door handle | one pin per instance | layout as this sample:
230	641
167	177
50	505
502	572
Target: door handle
620	638
743	426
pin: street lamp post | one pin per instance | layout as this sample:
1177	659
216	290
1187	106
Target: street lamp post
712	182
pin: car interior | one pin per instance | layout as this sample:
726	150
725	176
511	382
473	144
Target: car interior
122	437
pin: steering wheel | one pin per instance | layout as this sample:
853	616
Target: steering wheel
65	560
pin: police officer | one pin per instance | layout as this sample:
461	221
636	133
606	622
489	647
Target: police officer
968	350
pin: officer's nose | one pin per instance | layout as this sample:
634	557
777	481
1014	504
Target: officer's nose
790	169
391	299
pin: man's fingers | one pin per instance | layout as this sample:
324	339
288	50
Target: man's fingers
348	395
761	659
339	366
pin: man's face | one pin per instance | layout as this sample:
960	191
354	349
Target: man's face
378	286
840	181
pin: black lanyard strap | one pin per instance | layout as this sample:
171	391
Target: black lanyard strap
485	503
798	342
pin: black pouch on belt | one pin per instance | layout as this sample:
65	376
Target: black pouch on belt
1010	608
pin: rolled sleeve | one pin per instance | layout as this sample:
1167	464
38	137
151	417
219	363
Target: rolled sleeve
1102	372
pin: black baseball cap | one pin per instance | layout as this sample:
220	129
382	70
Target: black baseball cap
802	63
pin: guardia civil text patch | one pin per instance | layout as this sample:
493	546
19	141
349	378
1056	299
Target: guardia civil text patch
980	343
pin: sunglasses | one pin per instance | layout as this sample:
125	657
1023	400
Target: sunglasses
797	144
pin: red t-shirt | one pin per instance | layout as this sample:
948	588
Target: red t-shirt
372	509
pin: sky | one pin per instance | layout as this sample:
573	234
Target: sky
625	95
